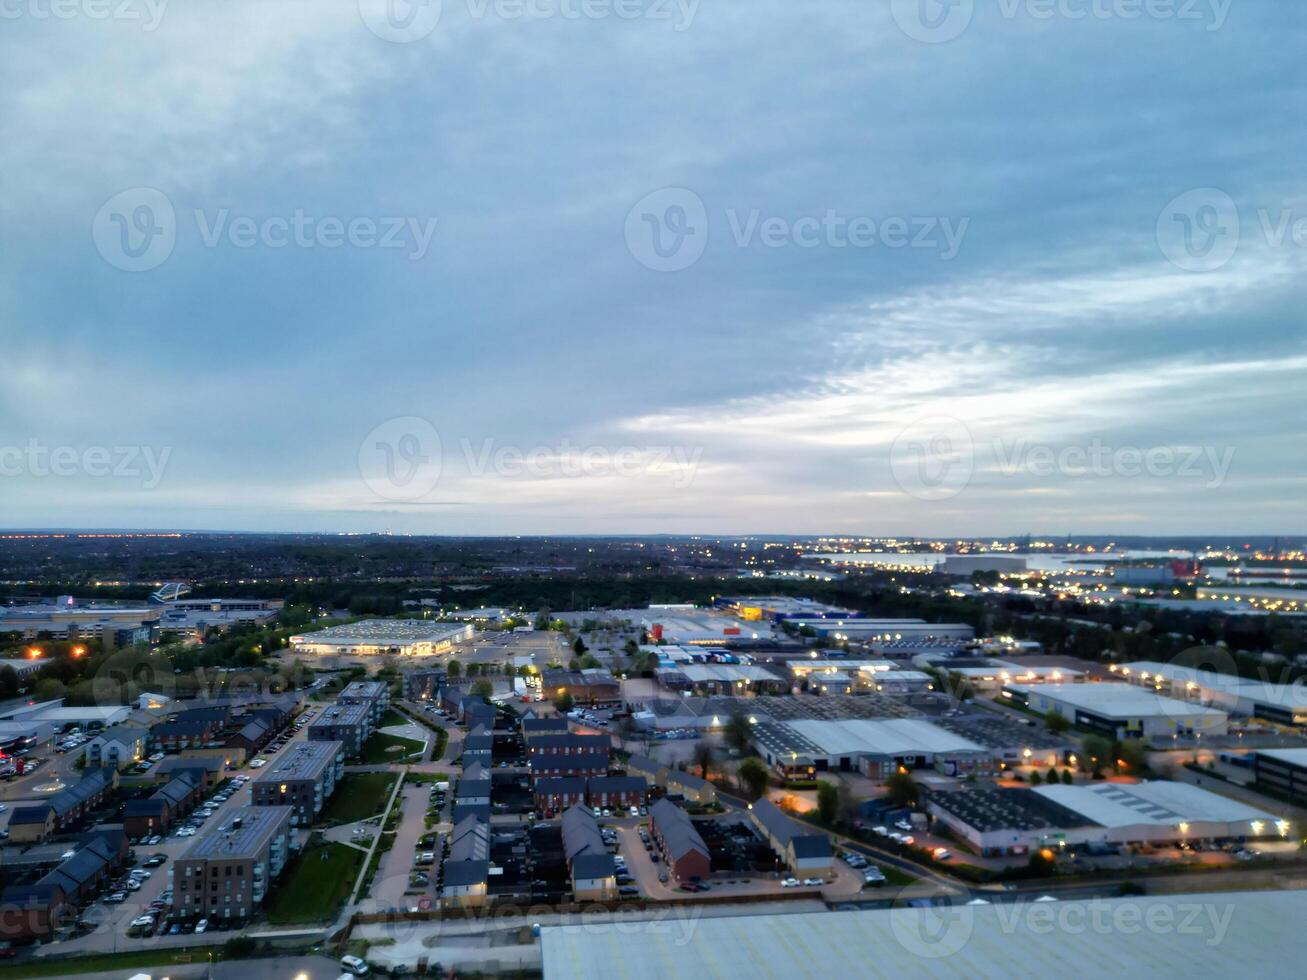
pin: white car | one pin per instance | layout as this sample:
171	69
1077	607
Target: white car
813	882
201	926
258	763
791	883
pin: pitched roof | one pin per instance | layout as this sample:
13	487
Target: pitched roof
591	866
677	830
581	834
470	840
644	765
786	831
618	784
36	813
560	786
463	873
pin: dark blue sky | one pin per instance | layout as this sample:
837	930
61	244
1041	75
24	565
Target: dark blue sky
1043	275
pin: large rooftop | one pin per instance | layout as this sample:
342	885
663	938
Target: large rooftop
302	760
259	825
342	714
1171	936
1116	700
374	631
888	736
1157	802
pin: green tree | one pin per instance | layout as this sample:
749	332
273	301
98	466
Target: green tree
1096	751
1056	722
828	801
738	733
483	689
564	703
1067	778
454	669
754	777
1132	752
703	757
579	646
902	789
1036	779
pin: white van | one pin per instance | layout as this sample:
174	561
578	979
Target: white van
353	965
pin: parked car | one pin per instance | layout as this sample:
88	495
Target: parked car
813	882
791	883
201	926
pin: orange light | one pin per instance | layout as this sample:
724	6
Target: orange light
79	651
33	653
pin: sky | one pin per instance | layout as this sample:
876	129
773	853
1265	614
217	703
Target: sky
654	266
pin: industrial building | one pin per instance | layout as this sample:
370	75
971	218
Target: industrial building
384	637
687	626
890	633
1119	710
302	777
1139	937
1283	772
776	608
1284	704
67	618
733	679
992	676
227	870
877	748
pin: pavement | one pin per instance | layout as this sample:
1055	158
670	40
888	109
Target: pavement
390	888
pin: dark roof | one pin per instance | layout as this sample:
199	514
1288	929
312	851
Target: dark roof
560	785
183	729
197	764
687	779
479	743
581	834
214	715
470	840
1008	809
176	790
462	810
589	866
540	726
643	764
677	830
151	807
465	873
811	846
43	892
37	813
473	787
92	783
254	730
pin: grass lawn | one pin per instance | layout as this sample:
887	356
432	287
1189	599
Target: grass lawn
313	888
382	748
360	795
393	719
109	964
896	877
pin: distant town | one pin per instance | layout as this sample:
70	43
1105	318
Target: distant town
408	754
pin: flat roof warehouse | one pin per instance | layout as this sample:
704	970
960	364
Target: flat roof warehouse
1171	936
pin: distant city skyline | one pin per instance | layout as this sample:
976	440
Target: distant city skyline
763	268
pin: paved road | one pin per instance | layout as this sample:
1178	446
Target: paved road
390	887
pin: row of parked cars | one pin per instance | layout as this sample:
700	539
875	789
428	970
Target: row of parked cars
871	875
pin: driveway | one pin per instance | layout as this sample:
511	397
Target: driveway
390	887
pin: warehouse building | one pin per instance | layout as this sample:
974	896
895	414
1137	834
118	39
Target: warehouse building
1119	710
227	870
877	748
805	852
1284	704
990	677
684	626
776	609
1282	771
384	637
892	633
1138	937
302	777
724	679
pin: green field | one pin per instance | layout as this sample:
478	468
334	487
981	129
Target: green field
382	748
316	884
360	795
109	964
393	719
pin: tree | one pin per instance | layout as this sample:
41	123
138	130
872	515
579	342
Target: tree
828	801
1097	751
453	669
8	682
738	732
1036	779
703	757
1056	722
564	703
1067	778
1131	751
902	789
483	689
754	777
579	646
